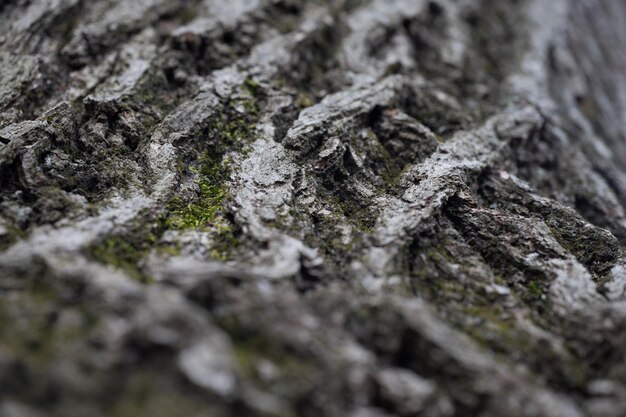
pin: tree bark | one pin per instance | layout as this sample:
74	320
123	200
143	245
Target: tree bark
313	208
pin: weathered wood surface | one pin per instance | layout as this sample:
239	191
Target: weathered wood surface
312	208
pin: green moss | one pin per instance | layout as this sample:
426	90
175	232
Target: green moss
206	212
212	191
233	128
535	290
127	251
123	254
224	242
253	87
230	130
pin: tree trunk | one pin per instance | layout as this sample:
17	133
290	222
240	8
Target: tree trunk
313	208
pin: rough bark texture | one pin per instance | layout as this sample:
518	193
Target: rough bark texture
312	208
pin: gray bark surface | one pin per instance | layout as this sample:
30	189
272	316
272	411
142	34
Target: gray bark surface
313	208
